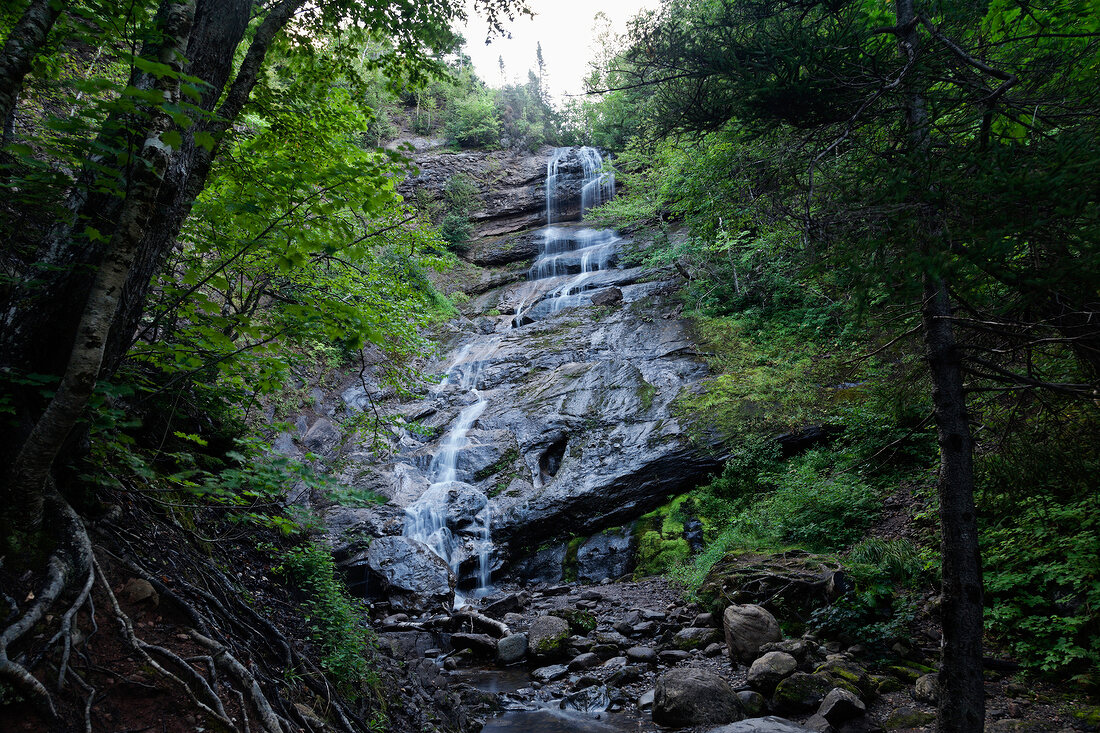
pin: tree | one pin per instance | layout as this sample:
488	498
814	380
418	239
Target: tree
887	197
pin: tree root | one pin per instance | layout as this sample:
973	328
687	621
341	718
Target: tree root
216	618
271	722
73	557
212	707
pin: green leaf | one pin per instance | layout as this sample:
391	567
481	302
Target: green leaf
172	139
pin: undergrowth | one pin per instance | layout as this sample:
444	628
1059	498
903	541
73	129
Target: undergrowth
335	619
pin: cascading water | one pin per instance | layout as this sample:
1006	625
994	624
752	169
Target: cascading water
432	518
570	251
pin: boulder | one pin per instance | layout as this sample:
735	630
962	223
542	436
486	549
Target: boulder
322	436
672	657
802	692
771	669
695	637
690	696
580	622
550	673
625	676
411	576
547	635
481	645
803	650
497	607
849	675
608	296
753	703
584	661
840	705
642	654
748	627
593	699
905	718
512	648
927	688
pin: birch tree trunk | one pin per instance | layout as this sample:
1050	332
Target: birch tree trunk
22	44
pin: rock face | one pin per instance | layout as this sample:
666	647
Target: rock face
577	435
511	185
414	578
689	696
748	627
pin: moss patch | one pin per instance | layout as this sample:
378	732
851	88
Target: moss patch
569	563
505	461
661	544
580	622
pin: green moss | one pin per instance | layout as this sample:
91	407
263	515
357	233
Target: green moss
580	622
905	674
646	393
657	554
551	645
505	461
1090	716
569	564
802	692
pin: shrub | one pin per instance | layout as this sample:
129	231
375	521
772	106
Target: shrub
335	618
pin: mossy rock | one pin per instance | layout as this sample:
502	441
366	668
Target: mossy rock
657	554
1090	716
904	718
580	622
791	585
802	692
907	675
885	684
849	676
547	636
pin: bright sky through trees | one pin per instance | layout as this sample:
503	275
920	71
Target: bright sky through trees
565	30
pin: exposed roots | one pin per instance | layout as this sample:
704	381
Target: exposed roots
226	661
197	648
72	558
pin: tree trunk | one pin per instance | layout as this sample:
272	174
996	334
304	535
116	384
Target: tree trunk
962	690
962	696
188	181
26	37
27	479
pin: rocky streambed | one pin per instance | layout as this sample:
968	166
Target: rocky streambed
633	656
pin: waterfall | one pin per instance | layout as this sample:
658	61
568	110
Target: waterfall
432	519
452	517
567	251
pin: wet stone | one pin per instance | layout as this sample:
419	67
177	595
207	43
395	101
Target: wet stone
550	673
642	654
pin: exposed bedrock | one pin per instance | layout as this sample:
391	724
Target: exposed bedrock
511	188
578	434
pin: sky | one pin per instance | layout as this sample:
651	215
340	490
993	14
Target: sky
565	30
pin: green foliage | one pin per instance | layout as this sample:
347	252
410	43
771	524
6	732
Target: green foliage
474	122
460	196
336	620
